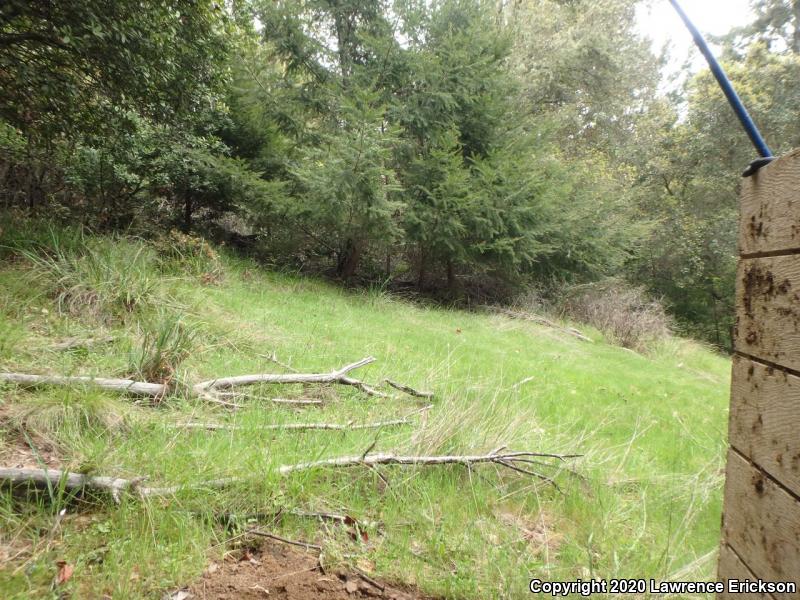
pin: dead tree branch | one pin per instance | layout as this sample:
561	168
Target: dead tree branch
408	390
73	482
77	482
212	390
339	376
500	458
292	401
349	426
126	386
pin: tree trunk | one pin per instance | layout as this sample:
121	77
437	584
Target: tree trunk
343	27
187	213
796	32
451	276
349	259
716	319
423	263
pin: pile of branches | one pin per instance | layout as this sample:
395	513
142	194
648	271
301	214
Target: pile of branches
223	390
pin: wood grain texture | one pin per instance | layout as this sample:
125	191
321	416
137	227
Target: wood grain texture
762	523
765	419
767	323
770	207
731	567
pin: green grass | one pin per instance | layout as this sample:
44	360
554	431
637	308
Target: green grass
644	500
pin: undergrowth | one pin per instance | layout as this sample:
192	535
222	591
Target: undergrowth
643	501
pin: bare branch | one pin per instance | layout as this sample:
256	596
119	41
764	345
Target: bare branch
73	482
339	376
77	482
408	390
289	401
350	426
127	386
504	458
213	398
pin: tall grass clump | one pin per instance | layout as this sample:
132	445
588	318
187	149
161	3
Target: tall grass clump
624	314
103	278
69	412
165	342
20	234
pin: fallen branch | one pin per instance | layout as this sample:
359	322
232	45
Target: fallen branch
339	376
501	458
297	401
127	386
349	426
116	486
360	385
215	400
210	390
408	390
77	482
73	482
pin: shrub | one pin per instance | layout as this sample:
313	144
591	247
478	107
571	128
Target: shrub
183	253
625	314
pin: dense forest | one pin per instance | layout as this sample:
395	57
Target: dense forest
471	150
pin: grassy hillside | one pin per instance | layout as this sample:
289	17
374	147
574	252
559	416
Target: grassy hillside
643	500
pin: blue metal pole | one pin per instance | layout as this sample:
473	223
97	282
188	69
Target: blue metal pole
727	88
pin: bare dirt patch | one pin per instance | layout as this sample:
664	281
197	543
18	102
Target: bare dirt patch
16	453
277	571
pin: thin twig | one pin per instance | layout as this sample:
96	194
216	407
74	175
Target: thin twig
294	401
215	400
278	538
408	390
274	358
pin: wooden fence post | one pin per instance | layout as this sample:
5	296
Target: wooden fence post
761	516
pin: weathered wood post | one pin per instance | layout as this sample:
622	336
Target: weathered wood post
761	516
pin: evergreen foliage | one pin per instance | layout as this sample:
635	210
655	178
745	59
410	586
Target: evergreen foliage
467	147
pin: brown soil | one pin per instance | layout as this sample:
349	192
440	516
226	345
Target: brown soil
15	453
277	571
